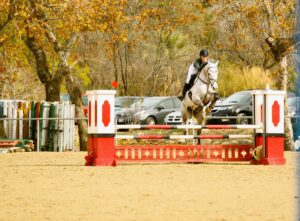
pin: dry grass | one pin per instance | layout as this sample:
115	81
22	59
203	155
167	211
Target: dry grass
233	78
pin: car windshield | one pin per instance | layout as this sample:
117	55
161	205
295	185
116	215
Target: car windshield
237	98
124	101
119	102
150	102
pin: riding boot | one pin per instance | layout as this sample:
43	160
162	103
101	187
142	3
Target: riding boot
185	89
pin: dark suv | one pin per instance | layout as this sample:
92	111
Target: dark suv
239	104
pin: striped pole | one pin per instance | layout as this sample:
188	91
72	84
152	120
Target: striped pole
174	127
172	137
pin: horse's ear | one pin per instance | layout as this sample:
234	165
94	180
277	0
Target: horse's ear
217	63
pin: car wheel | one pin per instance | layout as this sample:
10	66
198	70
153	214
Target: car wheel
242	120
150	121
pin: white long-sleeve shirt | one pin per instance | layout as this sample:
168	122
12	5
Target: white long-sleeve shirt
192	70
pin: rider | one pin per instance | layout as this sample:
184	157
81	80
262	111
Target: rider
194	69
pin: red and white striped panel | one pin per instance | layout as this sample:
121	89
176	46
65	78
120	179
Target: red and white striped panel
101	116
275	112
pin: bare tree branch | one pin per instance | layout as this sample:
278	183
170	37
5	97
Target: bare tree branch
270	16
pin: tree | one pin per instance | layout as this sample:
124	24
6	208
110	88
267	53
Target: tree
260	33
57	37
143	23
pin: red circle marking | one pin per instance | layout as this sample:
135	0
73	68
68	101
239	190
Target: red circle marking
275	113
106	113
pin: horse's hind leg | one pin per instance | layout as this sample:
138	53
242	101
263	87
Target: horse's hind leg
198	134
200	115
185	115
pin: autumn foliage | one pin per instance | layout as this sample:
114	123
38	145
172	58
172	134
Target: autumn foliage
146	46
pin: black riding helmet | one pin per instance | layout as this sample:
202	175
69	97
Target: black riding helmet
203	53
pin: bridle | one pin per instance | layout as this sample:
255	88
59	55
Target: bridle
208	81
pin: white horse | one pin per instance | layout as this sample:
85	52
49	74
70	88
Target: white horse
202	97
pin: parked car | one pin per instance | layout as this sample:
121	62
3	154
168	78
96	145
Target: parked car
239	104
153	110
125	107
125	102
174	118
294	110
293	105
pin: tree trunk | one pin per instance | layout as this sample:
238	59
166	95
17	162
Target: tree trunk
123	71
280	48
73	88
2	80
114	61
64	70
288	128
52	89
2	131
289	140
52	82
75	95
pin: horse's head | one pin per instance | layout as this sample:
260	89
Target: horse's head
211	71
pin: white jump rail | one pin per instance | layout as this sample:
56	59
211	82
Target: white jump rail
174	137
168	127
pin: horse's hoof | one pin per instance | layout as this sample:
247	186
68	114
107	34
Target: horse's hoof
182	141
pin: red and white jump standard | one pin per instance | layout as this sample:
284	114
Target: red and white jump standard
101	128
268	111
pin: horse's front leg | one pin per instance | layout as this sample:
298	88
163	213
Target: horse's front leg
197	100
213	102
185	115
